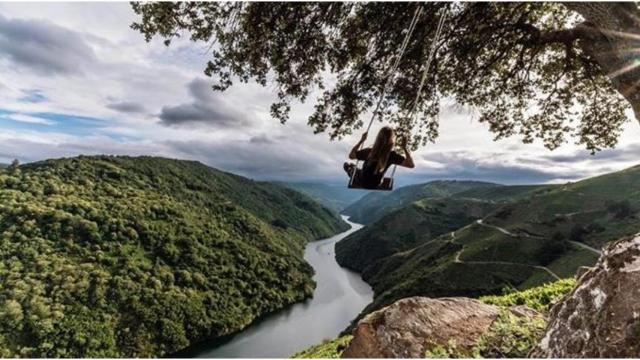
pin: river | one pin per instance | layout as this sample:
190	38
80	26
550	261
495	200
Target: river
339	297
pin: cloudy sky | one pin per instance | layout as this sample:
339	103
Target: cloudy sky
75	79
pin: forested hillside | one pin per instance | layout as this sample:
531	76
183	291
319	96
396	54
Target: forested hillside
375	205
533	235
118	256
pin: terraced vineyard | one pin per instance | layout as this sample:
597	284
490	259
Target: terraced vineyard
512	237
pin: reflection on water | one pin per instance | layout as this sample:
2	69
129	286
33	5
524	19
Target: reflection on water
339	297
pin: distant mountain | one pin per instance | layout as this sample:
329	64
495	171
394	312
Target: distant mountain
533	235
375	205
333	196
503	192
138	257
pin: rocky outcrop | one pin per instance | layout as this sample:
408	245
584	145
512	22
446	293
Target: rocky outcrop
601	316
411	326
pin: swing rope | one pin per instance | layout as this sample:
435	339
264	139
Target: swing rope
389	78
396	63
432	55
412	113
394	68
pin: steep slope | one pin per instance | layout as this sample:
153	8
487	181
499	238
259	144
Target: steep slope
125	257
526	242
422	221
334	196
504	192
377	204
407	228
593	211
508	337
473	261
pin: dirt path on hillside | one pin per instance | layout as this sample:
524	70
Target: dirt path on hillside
506	232
585	246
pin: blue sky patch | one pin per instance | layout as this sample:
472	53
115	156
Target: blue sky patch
51	123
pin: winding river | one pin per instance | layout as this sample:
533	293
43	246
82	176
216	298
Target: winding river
339	297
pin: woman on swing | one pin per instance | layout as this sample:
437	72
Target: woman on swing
379	158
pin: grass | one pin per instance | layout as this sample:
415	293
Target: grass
329	349
565	266
510	336
539	298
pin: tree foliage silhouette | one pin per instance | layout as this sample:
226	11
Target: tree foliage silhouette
537	70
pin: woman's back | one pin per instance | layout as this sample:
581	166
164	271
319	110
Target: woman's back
371	176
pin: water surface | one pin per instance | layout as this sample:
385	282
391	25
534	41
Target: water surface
339	297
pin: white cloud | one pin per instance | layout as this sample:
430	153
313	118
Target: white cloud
130	84
29	119
43	47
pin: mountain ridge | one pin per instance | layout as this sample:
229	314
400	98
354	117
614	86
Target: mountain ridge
375	205
332	195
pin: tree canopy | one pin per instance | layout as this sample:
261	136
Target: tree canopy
537	70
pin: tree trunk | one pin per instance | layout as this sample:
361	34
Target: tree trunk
613	40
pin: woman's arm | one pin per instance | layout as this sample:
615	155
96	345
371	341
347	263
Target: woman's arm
408	160
354	151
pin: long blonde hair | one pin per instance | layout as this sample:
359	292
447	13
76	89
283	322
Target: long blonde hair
382	148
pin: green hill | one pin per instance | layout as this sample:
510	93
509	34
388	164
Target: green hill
592	211
407	228
503	192
375	205
542	234
334	196
139	257
424	220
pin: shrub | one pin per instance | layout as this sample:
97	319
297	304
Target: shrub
540	298
620	209
328	349
280	223
510	336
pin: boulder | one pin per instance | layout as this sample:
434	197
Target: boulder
408	327
583	270
601	316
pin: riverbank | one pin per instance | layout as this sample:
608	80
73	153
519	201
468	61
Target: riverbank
339	297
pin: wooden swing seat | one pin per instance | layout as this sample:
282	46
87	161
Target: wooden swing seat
385	185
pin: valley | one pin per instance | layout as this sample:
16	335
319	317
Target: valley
343	179
335	196
109	256
375	205
479	241
174	257
339	296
